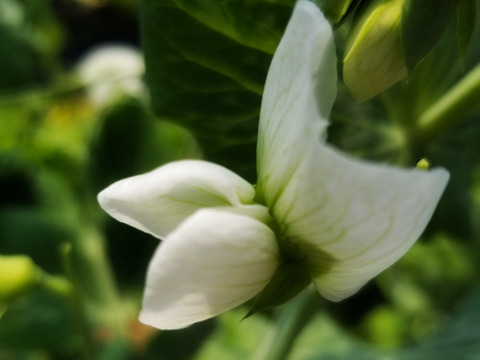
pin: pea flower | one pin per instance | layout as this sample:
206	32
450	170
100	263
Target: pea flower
315	213
111	72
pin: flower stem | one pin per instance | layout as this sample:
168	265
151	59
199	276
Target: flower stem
451	108
98	283
290	323
77	304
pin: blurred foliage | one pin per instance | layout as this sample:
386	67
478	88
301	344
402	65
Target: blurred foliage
206	63
419	35
41	321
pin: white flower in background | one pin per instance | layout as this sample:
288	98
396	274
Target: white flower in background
111	72
339	220
11	13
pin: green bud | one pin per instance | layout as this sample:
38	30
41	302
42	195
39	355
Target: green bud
18	274
374	59
423	164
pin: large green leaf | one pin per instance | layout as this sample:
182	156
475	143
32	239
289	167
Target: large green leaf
206	63
423	22
466	20
459	339
459	153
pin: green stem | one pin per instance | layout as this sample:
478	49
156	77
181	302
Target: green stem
451	108
292	320
56	284
77	303
98	282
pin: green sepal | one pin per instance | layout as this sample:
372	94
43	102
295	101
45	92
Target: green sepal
337	11
423	23
325	5
290	278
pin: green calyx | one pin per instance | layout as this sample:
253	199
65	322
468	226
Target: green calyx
294	273
290	278
298	264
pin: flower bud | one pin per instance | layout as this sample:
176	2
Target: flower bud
18	274
423	164
374	59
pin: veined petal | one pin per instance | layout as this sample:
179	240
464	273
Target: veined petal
298	96
158	201
353	219
215	261
350	219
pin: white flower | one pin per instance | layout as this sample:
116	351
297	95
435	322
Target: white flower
341	221
111	72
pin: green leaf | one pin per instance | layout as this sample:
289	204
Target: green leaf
423	23
206	64
466	15
40	321
459	153
33	231
22	67
458	339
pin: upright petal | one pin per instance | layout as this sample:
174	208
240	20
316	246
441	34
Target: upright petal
298	96
354	219
215	261
158	201
350	219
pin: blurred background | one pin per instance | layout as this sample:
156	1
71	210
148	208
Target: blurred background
76	115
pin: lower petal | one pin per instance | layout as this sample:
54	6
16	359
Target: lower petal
215	261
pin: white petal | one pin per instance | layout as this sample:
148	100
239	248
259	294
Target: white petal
158	201
215	261
298	96
354	219
351	219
